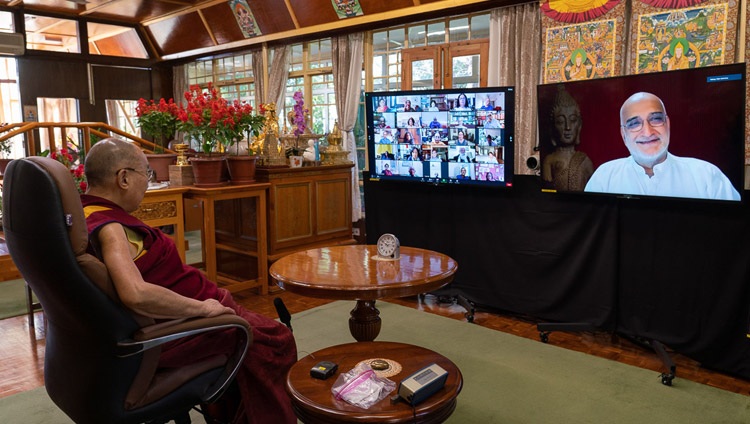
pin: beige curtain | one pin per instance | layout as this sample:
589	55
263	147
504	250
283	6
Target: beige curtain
347	51
258	75
179	87
277	76
515	52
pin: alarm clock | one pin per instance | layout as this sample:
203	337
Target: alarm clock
388	246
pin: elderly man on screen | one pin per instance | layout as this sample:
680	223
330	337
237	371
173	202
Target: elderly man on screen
651	169
151	280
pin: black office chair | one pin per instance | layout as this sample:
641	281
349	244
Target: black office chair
101	358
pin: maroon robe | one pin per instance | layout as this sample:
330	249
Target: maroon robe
262	377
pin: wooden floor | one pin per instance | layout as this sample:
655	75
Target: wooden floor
22	348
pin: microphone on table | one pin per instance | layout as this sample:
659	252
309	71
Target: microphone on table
284	315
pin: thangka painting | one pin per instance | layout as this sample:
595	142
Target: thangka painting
347	8
583	49
579	52
245	18
670	39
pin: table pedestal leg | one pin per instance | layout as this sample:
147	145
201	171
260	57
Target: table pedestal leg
364	322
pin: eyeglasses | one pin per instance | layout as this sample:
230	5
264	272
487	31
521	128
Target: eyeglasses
149	172
655	119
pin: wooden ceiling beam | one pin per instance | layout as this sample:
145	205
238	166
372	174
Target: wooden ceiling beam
291	13
327	28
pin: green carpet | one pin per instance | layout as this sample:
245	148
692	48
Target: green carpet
507	379
12	298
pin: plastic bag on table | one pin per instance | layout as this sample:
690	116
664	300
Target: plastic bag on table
362	387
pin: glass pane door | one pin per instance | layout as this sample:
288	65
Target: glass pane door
421	68
467	65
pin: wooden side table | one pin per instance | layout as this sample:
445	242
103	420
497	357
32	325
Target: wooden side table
355	273
165	207
314	402
234	235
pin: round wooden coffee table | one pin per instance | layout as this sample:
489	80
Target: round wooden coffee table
314	402
355	272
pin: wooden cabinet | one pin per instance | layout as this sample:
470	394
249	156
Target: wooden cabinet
165	207
307	207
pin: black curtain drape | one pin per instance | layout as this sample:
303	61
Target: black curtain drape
676	271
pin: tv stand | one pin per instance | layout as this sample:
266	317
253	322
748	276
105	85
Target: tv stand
457	299
545	328
661	352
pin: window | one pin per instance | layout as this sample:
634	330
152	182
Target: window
51	34
121	115
310	71
386	64
424	49
232	75
115	40
10	103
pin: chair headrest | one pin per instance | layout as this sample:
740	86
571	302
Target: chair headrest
71	201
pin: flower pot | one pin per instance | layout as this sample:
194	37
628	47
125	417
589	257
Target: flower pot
160	162
207	171
241	169
296	161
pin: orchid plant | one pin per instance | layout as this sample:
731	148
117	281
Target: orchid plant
299	122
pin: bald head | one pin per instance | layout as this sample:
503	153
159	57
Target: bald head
106	157
638	99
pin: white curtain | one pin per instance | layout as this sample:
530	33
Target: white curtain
515	51
277	76
347	53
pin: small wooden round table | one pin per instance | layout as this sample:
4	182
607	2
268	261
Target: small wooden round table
314	402
355	272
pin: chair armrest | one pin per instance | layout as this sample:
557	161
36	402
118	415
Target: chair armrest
164	332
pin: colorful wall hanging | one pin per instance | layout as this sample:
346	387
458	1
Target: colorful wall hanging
670	39
347	8
575	11
245	18
585	49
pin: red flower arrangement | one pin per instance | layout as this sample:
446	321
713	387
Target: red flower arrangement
212	119
158	119
66	157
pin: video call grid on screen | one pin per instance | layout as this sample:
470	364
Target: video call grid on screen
442	136
705	106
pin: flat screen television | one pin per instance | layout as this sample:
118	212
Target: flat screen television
453	136
674	134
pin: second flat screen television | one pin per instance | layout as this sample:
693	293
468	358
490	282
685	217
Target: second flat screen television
462	137
676	134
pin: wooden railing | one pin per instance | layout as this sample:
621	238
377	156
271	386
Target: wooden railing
85	130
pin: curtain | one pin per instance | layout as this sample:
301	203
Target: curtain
347	51
258	73
515	52
179	87
277	76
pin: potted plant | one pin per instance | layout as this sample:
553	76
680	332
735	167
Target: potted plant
72	158
297	119
159	120
205	117
241	159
